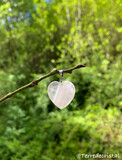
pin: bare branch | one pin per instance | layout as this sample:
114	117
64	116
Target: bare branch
35	82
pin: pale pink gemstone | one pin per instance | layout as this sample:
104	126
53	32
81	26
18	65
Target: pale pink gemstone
61	93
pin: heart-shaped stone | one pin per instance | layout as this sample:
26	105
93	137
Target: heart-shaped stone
61	93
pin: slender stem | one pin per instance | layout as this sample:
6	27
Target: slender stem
35	82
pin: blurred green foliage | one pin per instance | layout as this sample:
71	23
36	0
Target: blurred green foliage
35	37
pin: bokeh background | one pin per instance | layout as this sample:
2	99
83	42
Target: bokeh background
37	36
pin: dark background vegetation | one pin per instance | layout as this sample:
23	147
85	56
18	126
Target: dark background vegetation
35	37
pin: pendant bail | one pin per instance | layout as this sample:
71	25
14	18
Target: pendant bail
61	75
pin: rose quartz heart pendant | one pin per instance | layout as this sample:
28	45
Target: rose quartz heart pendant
61	93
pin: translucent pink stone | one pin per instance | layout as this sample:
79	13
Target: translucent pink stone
61	93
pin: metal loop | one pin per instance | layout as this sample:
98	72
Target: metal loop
61	75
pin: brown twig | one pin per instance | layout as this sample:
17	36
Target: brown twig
35	82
